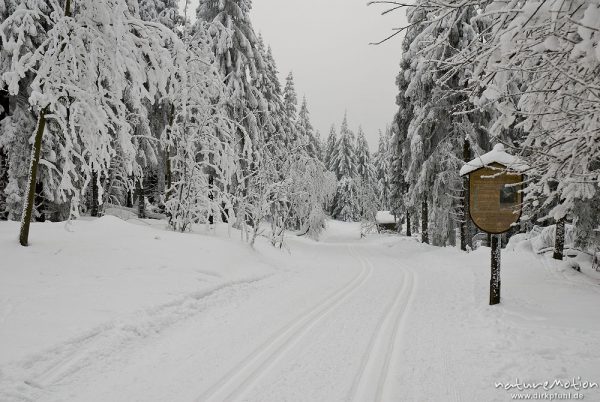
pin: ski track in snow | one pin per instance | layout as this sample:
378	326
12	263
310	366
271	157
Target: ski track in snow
43	371
372	378
244	376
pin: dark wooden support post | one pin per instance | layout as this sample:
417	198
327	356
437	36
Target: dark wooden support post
464	228
495	278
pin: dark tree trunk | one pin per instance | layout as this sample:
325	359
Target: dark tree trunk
3	184
408	228
94	207
464	224
211	197
33	167
424	223
141	198
129	199
4	111
559	240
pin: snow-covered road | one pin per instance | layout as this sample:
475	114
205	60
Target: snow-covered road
382	318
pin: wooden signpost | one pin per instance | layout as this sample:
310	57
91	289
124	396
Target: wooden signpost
495	198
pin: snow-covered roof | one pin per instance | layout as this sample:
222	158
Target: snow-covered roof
384	217
496	155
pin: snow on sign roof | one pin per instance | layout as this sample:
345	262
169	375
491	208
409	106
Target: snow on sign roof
496	155
384	217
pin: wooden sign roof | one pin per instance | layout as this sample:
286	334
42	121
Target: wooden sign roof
497	155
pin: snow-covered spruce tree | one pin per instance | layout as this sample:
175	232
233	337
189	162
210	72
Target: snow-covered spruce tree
344	164
80	80
347	203
329	151
364	164
365	176
153	170
290	104
536	65
240	63
203	159
306	132
165	12
552	45
19	36
433	139
383	159
344	155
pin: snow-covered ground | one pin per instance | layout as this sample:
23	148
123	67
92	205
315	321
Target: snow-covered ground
110	310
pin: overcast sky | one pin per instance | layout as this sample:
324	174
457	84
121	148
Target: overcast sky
326	45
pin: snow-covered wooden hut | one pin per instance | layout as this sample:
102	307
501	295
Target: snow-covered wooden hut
386	221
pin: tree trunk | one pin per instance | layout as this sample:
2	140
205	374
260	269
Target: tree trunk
464	224
95	203
408	228
559	240
3	183
424	223
33	167
4	111
211	197
141	199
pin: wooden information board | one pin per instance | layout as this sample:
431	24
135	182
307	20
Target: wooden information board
494	206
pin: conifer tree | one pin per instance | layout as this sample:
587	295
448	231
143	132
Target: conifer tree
290	104
329	149
306	131
344	160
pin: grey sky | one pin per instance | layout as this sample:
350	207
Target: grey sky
326	45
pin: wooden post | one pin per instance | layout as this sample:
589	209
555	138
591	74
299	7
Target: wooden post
33	167
495	278
464	231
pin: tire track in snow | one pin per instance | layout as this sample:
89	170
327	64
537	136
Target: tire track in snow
372	377
235	383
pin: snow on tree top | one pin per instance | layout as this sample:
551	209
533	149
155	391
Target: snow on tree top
384	217
496	155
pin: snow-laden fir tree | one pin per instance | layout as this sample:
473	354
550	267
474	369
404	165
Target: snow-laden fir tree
203	159
329	149
240	63
290	104
383	169
306	132
344	154
81	78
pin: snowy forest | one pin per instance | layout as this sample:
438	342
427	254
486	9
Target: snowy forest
217	200
477	73
128	103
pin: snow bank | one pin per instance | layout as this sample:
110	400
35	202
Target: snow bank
540	239
69	282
